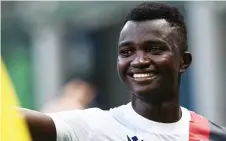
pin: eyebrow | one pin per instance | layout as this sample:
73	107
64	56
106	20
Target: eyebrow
129	43
126	43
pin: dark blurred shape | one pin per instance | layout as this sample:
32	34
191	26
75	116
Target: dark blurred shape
76	94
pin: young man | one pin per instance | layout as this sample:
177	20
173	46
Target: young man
152	55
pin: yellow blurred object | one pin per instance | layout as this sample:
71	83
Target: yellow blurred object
13	127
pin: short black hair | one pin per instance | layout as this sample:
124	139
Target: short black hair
152	11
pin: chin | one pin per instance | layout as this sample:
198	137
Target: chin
146	89
154	95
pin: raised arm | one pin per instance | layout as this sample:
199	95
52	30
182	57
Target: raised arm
40	125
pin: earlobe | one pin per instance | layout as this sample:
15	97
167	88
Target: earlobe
186	61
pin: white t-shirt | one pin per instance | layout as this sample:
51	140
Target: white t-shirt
117	124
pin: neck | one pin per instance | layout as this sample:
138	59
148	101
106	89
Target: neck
166	112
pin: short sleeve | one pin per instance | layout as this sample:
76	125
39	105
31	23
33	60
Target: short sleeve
74	125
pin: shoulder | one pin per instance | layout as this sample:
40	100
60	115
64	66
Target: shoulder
76	124
89	116
201	126
76	115
198	120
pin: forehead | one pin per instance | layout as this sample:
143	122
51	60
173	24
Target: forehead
137	32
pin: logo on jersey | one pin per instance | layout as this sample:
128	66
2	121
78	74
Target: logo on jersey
133	138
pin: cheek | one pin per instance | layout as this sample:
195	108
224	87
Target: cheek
122	66
167	62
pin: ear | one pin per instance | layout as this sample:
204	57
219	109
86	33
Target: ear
186	60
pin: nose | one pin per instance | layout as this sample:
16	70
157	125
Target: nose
141	61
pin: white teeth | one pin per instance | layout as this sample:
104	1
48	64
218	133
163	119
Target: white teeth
143	75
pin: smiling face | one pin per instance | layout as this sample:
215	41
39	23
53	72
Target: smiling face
149	60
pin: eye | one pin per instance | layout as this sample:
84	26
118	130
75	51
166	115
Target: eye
126	52
152	49
155	49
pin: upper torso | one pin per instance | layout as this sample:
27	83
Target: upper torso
124	124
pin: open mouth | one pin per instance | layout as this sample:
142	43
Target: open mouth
143	76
